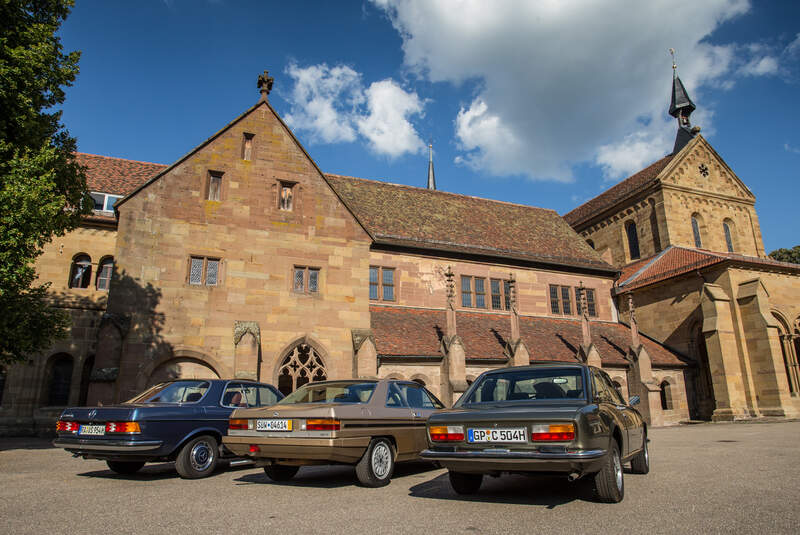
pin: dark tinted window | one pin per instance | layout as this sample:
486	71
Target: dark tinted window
175	392
394	398
526	385
418	398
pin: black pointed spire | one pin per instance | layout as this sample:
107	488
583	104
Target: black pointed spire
681	107
431	178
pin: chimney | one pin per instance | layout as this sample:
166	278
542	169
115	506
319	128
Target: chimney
512	297
265	82
585	329
451	305
635	342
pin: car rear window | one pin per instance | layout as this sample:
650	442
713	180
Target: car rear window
173	392
527	385
331	393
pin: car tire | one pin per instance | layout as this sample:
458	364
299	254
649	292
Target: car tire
198	457
125	467
608	481
280	472
464	483
376	466
640	464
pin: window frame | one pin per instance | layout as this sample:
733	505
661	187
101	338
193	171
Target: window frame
86	275
591	303
204	271
632	235
726	229
698	238
248	149
101	265
289	185
106	198
561	292
213	176
307	271
380	285
473	292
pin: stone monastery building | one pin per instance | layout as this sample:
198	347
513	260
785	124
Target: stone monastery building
244	260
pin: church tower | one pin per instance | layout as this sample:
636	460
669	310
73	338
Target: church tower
681	107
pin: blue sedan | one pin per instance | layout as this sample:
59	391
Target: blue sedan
182	421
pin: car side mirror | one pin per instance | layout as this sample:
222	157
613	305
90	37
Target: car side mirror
635	400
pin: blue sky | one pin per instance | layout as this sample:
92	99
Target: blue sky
545	103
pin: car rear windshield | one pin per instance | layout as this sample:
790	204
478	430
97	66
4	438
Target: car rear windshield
174	392
527	385
331	393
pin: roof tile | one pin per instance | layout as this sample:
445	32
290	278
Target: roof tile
116	175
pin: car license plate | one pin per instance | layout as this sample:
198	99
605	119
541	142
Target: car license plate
273	425
497	435
92	430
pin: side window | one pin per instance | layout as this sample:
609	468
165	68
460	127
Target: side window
394	398
600	389
234	396
616	397
265	396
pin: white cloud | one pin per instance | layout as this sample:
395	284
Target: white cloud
386	126
556	79
789	148
760	66
332	106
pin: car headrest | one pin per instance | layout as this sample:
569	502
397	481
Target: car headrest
194	396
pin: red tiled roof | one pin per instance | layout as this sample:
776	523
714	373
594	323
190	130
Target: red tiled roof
417	332
675	261
617	193
116	175
417	217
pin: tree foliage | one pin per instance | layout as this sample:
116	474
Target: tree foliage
787	255
42	188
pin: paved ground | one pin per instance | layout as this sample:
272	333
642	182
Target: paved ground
712	478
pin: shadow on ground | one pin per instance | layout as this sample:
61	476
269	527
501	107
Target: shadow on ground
331	477
512	489
158	471
26	443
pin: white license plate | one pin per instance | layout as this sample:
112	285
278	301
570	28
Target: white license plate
92	430
518	434
273	425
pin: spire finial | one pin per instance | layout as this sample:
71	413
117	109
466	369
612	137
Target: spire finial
674	65
431	177
265	82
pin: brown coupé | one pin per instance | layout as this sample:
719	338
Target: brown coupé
367	423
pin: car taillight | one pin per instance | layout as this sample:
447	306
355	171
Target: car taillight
450	433
237	423
123	427
323	424
553	432
67	427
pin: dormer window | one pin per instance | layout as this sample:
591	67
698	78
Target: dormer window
104	202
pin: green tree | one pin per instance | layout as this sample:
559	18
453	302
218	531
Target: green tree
787	255
42	188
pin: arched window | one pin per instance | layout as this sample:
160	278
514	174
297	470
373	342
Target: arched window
666	396
59	378
696	231
104	270
633	239
591	243
80	276
726	227
302	365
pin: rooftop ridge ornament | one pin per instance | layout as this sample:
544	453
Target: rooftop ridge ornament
265	82
431	177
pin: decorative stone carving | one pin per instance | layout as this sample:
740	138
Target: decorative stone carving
360	336
242	327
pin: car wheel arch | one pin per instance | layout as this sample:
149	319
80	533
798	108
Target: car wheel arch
210	431
616	435
391	439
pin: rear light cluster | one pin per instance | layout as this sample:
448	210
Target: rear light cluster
123	427
552	432
323	424
450	433
241	424
67	427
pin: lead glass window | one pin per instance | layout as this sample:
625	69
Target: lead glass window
305	279
373	282
728	238
203	271
480	293
555	303
590	302
466	291
698	242
633	239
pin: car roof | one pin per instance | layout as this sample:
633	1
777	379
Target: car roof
573	365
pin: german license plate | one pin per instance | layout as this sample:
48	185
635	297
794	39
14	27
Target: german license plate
92	430
518	434
273	425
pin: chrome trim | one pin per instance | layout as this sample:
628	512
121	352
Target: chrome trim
107	445
585	455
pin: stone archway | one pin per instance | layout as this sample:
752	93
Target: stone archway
301	363
788	352
182	368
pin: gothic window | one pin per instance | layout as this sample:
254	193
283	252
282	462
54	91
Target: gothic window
305	280
203	271
247	146
381	283
473	291
81	273
633	239
286	198
666	396
591	307
698	242
302	365
214	189
501	294
104	270
59	378
726	227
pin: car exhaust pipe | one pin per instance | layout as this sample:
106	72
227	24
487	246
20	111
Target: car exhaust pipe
573	476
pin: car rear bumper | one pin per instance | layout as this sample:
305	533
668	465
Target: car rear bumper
289	450
500	460
101	446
